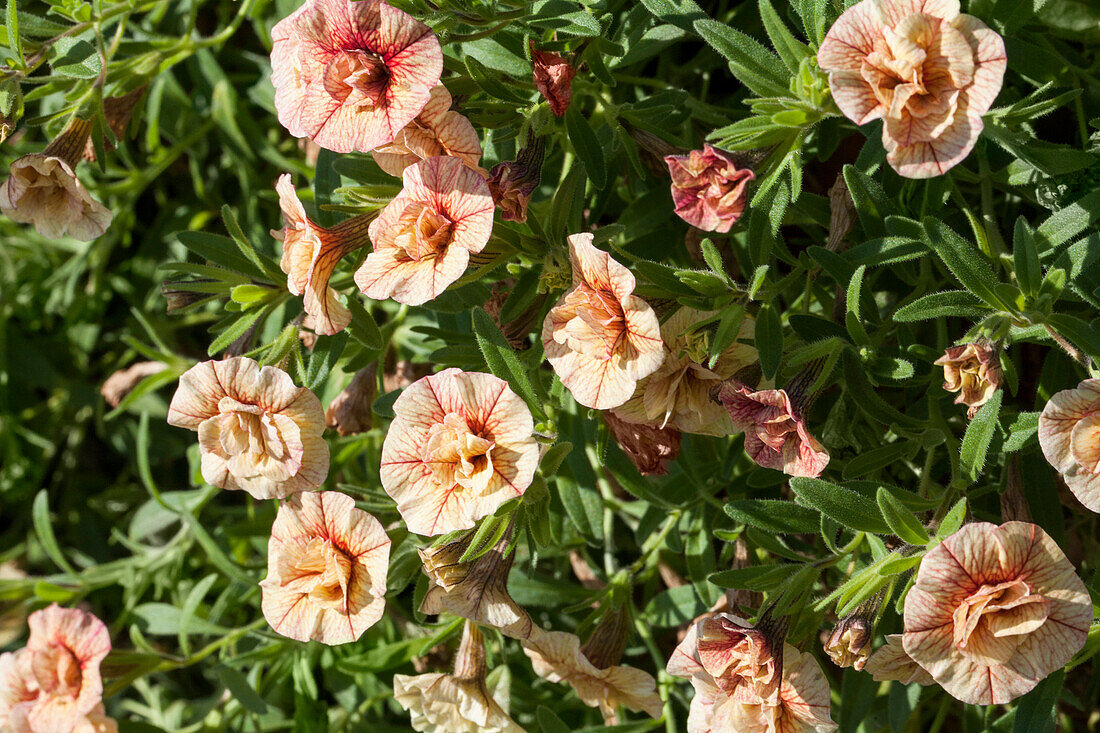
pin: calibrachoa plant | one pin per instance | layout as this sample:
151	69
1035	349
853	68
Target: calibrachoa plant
496	365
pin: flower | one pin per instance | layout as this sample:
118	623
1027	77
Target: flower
993	610
928	71
257	431
54	684
460	445
1069	434
709	189
890	662
424	237
350	411
803	702
123	382
648	447
513	181
350	74
972	370
437	130
44	191
553	78
310	256
326	569
677	395
600	338
850	643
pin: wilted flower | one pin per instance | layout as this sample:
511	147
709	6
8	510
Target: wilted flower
424	237
437	130
257	431
1069	433
709	189
326	569
460	445
600	337
850	643
802	707
890	662
350	74
310	256
972	370
928	71
54	683
44	191
455	703
350	411
553	78
513	181
649	447
994	610
122	382
677	395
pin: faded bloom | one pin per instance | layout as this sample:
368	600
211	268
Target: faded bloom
649	447
677	395
350	74
1069	433
850	643
43	190
423	239
122	382
553	78
437	130
600	337
460	445
709	189
257	431
994	610
350	411
803	704
972	370
54	684
927	70
326	569
513	181
890	662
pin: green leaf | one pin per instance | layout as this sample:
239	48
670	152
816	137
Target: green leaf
486	537
326	353
869	200
363	327
902	521
1021	431
40	517
236	329
769	340
964	259
756	67
979	434
1068	222
790	49
553	457
587	146
957	303
843	505
774	515
757	577
76	58
15	39
502	360
240	689
549	722
728	327
490	83
680	13
1025	259
812	13
221	251
1079	333
867	400
1036	711
952	520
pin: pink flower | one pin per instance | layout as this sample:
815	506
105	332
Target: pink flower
350	74
257	430
326	569
553	78
53	685
600	337
424	237
437	130
928	71
1069	434
709	189
994	610
460	445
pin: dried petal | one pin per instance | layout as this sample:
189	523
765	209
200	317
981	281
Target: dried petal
122	382
553	78
350	411
649	447
972	370
709	189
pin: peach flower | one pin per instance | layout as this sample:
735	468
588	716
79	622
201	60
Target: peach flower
677	395
850	643
928	71
890	662
437	130
553	78
310	256
460	445
424	237
600	337
709	189
326	569
53	685
1069	434
972	370
994	610
803	703
350	74
513	181
257	431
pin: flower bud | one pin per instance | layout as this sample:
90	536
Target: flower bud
513	181
605	645
850	643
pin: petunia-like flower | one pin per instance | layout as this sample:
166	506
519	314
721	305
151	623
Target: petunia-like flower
553	78
43	190
600	337
437	130
258	432
927	70
994	610
649	447
890	662
709	189
54	684
850	643
1069	434
424	237
310	256
513	181
350	74
677	395
326	569
802	706
972	370
460	445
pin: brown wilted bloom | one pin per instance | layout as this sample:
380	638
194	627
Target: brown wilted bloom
400	374
513	181
709	188
122	382
649	447
178	298
476	589
890	662
842	212
1069	434
437	130
850	643
350	411
553	78
972	370
117	111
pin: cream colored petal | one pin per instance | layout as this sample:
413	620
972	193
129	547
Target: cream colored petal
440	703
850	38
890	662
197	396
989	55
385	275
915	151
447	185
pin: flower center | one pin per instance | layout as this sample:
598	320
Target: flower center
991	621
249	429
1084	443
456	455
424	232
733	655
597	324
57	671
327	570
357	78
